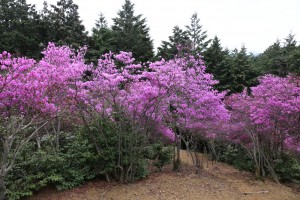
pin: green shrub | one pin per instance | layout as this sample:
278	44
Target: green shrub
288	168
121	143
164	157
35	169
151	152
141	169
238	157
160	154
106	141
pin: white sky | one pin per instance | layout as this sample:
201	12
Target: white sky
255	23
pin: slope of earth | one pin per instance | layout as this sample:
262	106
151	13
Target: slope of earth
215	181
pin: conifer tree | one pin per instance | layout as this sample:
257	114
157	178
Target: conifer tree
132	34
291	52
179	43
213	56
243	75
197	36
101	40
271	61
218	63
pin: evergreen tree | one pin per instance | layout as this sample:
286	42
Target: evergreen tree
295	65
193	40
213	57
223	73
234	70
179	43
100	23
197	36
101	40
218	62
132	34
272	60
291	53
290	43
65	26
19	23
280	59
242	72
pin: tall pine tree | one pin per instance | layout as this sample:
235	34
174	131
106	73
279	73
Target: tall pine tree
291	53
217	62
271	61
101	40
132	34
197	36
243	74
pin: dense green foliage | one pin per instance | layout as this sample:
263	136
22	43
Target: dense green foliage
237	157
120	149
234	69
280	59
63	24
25	32
76	162
160	154
19	28
288	168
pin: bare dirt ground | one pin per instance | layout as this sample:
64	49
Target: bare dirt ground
216	181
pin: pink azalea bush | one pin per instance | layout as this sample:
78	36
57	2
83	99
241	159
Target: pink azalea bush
267	121
178	88
31	94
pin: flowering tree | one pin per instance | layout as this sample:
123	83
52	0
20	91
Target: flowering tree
276	110
173	96
267	121
61	71
190	104
31	94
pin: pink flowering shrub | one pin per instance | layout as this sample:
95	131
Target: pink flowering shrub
32	94
266	122
276	109
168	96
167	89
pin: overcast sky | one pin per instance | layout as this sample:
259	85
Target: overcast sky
255	23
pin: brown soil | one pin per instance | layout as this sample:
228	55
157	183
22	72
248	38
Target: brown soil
215	181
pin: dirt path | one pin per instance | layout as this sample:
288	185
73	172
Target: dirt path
216	181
